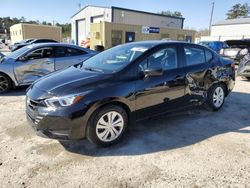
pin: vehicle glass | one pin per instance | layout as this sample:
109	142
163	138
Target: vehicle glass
40	53
209	56
116	58
68	52
16	54
194	56
165	59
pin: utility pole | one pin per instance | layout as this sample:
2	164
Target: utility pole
211	19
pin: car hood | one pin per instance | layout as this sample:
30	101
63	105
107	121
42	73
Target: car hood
70	80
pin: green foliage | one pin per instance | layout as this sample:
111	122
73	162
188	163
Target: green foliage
238	11
169	13
7	22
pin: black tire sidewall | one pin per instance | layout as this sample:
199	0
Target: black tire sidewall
210	96
9	83
92	123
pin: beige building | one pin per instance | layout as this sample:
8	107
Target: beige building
23	31
111	34
110	26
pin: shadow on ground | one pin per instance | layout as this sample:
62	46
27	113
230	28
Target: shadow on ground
19	91
175	131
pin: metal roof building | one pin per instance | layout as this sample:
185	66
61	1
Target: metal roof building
231	29
127	19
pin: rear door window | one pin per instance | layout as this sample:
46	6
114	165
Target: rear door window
68	52
194	56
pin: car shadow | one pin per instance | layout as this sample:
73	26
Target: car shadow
19	91
174	131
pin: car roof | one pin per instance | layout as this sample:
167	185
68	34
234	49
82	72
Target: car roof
52	44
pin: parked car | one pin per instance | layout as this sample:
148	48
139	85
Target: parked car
214	45
98	98
237	49
29	42
244	67
25	41
24	66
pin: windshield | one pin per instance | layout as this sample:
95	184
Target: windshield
116	58
19	52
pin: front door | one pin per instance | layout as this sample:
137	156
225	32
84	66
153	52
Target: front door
159	94
34	65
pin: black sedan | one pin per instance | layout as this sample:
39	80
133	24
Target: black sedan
100	97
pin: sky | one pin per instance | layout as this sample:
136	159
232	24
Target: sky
196	12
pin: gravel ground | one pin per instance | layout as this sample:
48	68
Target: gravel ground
196	148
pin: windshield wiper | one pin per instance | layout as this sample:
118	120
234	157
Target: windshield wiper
93	69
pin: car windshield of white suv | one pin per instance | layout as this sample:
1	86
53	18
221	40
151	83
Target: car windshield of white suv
116	58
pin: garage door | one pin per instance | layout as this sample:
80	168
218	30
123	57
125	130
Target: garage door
81	31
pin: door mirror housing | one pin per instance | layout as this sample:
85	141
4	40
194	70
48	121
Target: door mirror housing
153	72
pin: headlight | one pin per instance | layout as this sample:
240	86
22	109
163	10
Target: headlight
56	102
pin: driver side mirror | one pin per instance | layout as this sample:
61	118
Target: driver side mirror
153	72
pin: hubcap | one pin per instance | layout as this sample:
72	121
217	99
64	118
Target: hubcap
218	97
109	126
3	84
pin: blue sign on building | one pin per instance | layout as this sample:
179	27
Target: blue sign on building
147	30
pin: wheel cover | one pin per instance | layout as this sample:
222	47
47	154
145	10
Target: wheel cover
218	97
109	126
3	84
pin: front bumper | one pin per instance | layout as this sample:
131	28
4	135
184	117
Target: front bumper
61	124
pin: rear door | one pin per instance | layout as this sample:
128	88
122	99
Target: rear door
159	94
34	65
66	57
198	62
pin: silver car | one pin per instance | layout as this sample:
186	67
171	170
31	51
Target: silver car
30	63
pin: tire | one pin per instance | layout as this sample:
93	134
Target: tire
216	96
248	78
5	83
101	132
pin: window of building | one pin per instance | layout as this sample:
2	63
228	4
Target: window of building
181	37
116	37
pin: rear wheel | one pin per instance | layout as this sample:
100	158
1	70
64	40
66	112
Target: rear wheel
5	83
107	125
216	96
248	78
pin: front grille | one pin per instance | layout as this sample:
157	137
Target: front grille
31	111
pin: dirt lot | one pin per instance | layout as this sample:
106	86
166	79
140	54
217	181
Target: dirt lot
197	148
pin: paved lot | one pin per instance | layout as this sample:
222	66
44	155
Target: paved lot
196	148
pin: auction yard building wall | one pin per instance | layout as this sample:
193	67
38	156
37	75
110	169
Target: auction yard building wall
111	34
23	31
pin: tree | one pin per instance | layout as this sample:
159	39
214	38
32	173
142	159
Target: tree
169	13
238	11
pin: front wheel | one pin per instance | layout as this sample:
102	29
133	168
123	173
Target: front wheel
5	83
216	96
107	125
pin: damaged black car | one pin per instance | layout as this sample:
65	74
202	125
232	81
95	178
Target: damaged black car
99	98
